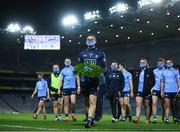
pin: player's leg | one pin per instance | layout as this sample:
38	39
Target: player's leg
154	107
92	103
123	109
109	96
127	107
44	110
91	111
166	109
162	109
173	107
147	109
60	106
40	104
115	106
86	107
73	102
139	101
55	109
66	107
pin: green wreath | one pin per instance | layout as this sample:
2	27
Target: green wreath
88	70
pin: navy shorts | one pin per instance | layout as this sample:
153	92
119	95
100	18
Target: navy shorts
170	95
87	92
156	93
140	94
42	98
55	97
68	92
125	94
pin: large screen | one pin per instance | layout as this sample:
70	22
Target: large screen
42	42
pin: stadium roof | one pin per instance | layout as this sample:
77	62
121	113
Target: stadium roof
136	25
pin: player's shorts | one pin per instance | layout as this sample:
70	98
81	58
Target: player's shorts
113	95
89	86
55	97
156	93
140	94
170	95
125	94
90	91
68	92
42	98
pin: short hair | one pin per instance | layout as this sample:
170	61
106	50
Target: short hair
41	74
91	35
123	65
68	58
115	62
169	60
56	65
161	60
143	59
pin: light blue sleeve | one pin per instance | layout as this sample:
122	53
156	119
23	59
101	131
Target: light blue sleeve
61	74
162	76
46	84
177	74
130	76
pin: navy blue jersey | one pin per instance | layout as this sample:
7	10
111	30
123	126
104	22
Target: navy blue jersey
93	56
114	81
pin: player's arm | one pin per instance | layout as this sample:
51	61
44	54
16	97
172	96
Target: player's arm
80	60
121	82
106	81
178	86
104	64
131	88
60	85
78	84
162	88
178	80
47	91
34	93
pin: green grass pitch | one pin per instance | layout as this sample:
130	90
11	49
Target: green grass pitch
25	122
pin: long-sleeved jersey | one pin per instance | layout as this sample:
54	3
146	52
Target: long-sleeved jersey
93	56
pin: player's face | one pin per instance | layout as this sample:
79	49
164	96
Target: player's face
161	63
55	68
91	41
40	77
169	62
143	62
120	67
114	66
67	62
90	38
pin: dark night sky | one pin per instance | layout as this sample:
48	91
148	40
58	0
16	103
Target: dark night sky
46	15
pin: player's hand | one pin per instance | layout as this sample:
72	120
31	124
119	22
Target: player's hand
162	94
48	98
78	91
178	92
132	95
152	89
59	92
32	96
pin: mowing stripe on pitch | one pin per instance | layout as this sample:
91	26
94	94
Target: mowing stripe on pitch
92	129
28	127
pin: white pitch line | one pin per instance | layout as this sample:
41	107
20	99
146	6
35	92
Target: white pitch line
93	129
26	127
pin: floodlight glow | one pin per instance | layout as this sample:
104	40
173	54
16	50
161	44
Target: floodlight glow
91	15
70	20
120	7
143	3
13	28
27	29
